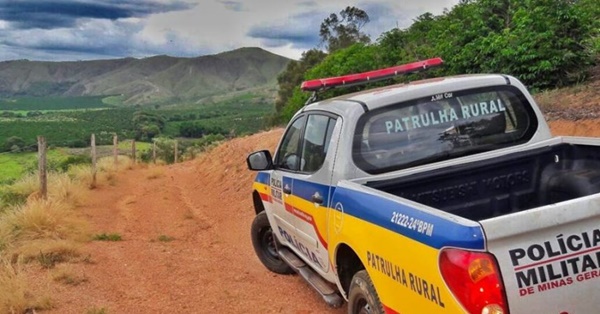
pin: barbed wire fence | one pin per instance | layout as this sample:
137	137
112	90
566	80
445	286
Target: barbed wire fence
42	158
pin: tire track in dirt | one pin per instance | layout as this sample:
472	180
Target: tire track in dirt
193	210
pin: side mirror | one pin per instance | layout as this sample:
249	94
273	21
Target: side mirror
260	160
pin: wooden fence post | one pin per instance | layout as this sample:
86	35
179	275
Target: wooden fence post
42	167
133	155
176	153
154	152
93	143
116	149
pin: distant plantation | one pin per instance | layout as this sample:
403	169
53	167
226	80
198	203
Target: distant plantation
52	103
68	122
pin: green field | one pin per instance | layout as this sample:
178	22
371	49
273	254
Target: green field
139	146
53	103
70	129
14	165
23	113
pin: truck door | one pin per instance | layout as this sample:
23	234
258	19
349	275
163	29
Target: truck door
308	199
285	163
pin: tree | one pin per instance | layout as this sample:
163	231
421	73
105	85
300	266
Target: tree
338	32
544	43
291	78
541	45
147	125
14	144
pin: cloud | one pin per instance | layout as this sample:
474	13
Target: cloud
100	29
384	17
94	39
307	4
233	5
52	14
300	30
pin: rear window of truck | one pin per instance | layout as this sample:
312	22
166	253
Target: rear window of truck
442	126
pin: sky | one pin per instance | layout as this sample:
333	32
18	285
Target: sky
69	30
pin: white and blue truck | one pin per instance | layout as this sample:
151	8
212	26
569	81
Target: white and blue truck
446	195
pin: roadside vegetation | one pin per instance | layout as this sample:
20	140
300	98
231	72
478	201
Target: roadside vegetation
546	44
48	234
38	233
14	165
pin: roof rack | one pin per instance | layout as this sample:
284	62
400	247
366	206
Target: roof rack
317	85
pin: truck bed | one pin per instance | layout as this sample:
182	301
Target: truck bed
502	185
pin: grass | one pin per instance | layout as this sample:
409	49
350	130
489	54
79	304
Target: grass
96	310
14	165
48	232
20	190
108	163
155	173
139	146
45	219
51	252
60	187
112	237
66	275
165	238
10	168
15	296
83	174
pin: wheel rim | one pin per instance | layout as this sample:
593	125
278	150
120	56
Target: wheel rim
268	243
361	306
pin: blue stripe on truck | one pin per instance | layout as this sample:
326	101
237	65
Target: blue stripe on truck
264	178
306	189
430	229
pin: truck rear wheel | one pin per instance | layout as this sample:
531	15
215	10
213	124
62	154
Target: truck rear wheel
362	297
264	243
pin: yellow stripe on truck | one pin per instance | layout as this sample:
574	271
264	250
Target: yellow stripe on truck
404	272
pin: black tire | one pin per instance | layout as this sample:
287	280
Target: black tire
362	297
265	245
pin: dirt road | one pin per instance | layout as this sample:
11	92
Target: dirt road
186	245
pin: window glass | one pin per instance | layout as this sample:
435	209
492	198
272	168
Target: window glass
442	126
316	140
330	128
288	156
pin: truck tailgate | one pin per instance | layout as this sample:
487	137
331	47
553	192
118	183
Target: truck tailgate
549	256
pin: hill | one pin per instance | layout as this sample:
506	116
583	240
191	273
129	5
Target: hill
149	80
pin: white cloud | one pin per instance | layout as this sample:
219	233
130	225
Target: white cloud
207	26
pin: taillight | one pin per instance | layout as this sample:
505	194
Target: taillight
474	279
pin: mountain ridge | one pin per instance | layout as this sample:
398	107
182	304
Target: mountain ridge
148	80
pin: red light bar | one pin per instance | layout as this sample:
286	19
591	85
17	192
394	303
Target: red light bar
371	76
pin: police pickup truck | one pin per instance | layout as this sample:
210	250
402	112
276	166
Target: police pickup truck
446	195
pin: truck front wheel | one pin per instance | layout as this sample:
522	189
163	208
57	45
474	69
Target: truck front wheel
264	243
362	298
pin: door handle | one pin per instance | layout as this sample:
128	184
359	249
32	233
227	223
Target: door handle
317	198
